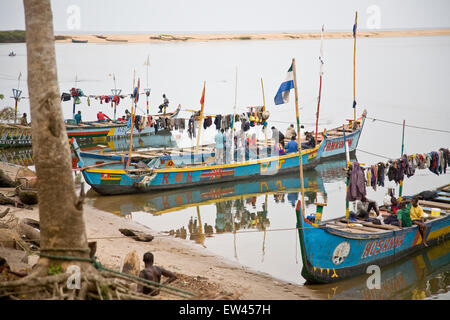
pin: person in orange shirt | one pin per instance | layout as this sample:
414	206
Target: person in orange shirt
417	218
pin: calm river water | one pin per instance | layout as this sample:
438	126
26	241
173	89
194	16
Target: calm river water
397	79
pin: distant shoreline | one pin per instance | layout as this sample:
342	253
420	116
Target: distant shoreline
139	38
17	36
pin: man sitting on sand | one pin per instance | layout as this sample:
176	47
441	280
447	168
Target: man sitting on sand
153	273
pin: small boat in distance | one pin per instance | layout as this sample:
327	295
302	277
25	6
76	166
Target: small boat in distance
111	129
12	54
79	41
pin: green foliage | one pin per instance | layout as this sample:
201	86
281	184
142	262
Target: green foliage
54	269
12	36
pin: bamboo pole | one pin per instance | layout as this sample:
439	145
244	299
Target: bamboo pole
132	121
401	155
233	128
347	157
320	85
354	65
298	135
201	117
264	109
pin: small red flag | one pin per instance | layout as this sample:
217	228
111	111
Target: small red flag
202	100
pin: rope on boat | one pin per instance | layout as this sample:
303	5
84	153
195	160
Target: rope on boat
406	125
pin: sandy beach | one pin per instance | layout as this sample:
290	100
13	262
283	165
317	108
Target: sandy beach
142	38
208	275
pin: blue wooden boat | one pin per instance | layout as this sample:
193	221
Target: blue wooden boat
79	41
112	177
335	138
116	129
335	250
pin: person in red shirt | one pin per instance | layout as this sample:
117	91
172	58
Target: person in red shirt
101	117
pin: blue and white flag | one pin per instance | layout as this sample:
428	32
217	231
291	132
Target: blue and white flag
282	95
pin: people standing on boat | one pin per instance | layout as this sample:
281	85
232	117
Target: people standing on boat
153	273
252	149
292	145
277	136
165	103
290	132
23	120
127	114
240	146
228	146
101	117
364	206
219	146
78	117
417	218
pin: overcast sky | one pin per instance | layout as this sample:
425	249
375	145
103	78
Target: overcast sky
153	16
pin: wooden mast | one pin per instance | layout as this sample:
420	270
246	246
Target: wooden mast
147	90
132	119
354	65
298	135
264	109
202	102
401	155
320	85
233	128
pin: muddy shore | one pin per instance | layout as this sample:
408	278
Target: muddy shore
198	271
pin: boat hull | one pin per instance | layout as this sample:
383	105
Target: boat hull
110	181
115	132
335	147
330	255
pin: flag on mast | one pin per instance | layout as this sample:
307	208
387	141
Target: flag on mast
136	92
202	99
282	95
321	52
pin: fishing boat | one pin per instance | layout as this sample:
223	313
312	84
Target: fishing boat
337	249
79	41
114	129
113	177
335	146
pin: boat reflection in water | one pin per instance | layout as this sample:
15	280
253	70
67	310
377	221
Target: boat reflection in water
18	156
424	275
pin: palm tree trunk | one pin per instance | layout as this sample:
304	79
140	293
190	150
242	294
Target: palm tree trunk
62	224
